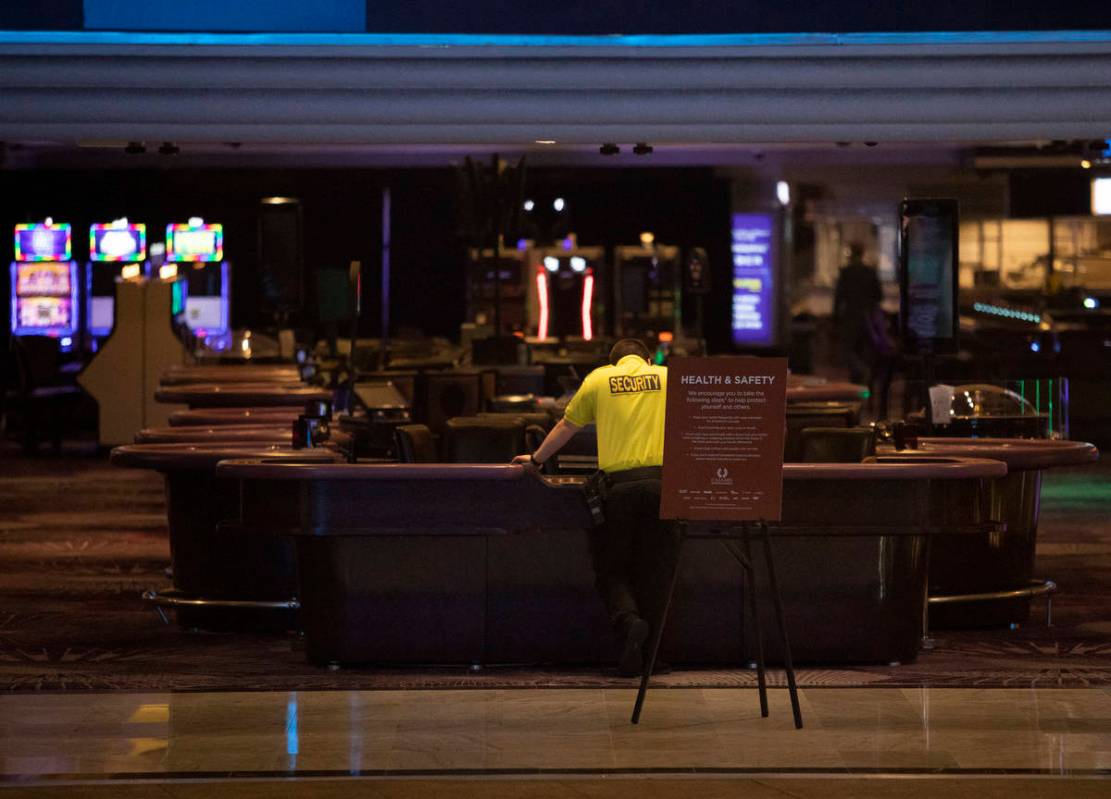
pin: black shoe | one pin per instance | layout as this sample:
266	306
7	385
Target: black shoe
635	634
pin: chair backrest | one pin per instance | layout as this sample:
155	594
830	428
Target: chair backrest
443	395
580	453
836	444
539	418
483	439
35	361
512	403
817	414
415	444
520	380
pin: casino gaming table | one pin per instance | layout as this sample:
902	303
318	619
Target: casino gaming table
278	433
225	395
825	392
988	580
211	417
219	580
193	375
490	563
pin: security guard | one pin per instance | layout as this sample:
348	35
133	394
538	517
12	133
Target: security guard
634	551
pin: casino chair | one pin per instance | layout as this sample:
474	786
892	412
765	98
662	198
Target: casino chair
44	401
836	444
440	396
816	414
541	419
520	380
483	439
415	444
512	403
577	456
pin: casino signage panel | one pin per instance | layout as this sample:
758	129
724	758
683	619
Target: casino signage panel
754	290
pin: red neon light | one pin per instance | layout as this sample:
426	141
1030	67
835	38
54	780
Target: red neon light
588	302
542	295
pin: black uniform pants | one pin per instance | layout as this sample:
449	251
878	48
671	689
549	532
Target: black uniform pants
634	552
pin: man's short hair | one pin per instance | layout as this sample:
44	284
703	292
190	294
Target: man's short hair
629	346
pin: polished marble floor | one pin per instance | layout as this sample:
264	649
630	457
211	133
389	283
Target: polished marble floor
708	732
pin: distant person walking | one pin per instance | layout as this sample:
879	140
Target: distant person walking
867	347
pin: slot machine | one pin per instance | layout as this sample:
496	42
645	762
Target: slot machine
117	251
197	250
566	284
646	290
512	272
44	283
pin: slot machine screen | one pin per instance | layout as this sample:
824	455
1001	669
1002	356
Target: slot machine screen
179	296
45	313
195	243
126	243
43	278
101	313
509	271
43	242
204	313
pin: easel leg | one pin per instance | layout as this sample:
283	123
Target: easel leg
658	633
750	579
788	665
926	642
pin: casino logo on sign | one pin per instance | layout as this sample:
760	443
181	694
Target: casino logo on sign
634	385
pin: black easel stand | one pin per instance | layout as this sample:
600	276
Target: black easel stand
744	558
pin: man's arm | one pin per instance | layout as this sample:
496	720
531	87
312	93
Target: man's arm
553	442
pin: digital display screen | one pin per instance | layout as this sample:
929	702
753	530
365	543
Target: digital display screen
928	275
101	315
43	279
754	314
43	242
1101	197
45	312
179	292
117	242
195	243
204	313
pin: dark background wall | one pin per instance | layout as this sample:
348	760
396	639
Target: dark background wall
577	17
342	222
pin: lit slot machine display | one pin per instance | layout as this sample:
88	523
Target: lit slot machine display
117	251
44	283
197	250
566	293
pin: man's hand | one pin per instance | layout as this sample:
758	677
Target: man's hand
524	460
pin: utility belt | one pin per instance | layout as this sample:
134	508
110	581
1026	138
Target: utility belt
597	487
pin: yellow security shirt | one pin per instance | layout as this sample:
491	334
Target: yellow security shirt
626	402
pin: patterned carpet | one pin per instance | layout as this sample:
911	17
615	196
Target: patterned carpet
80	540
